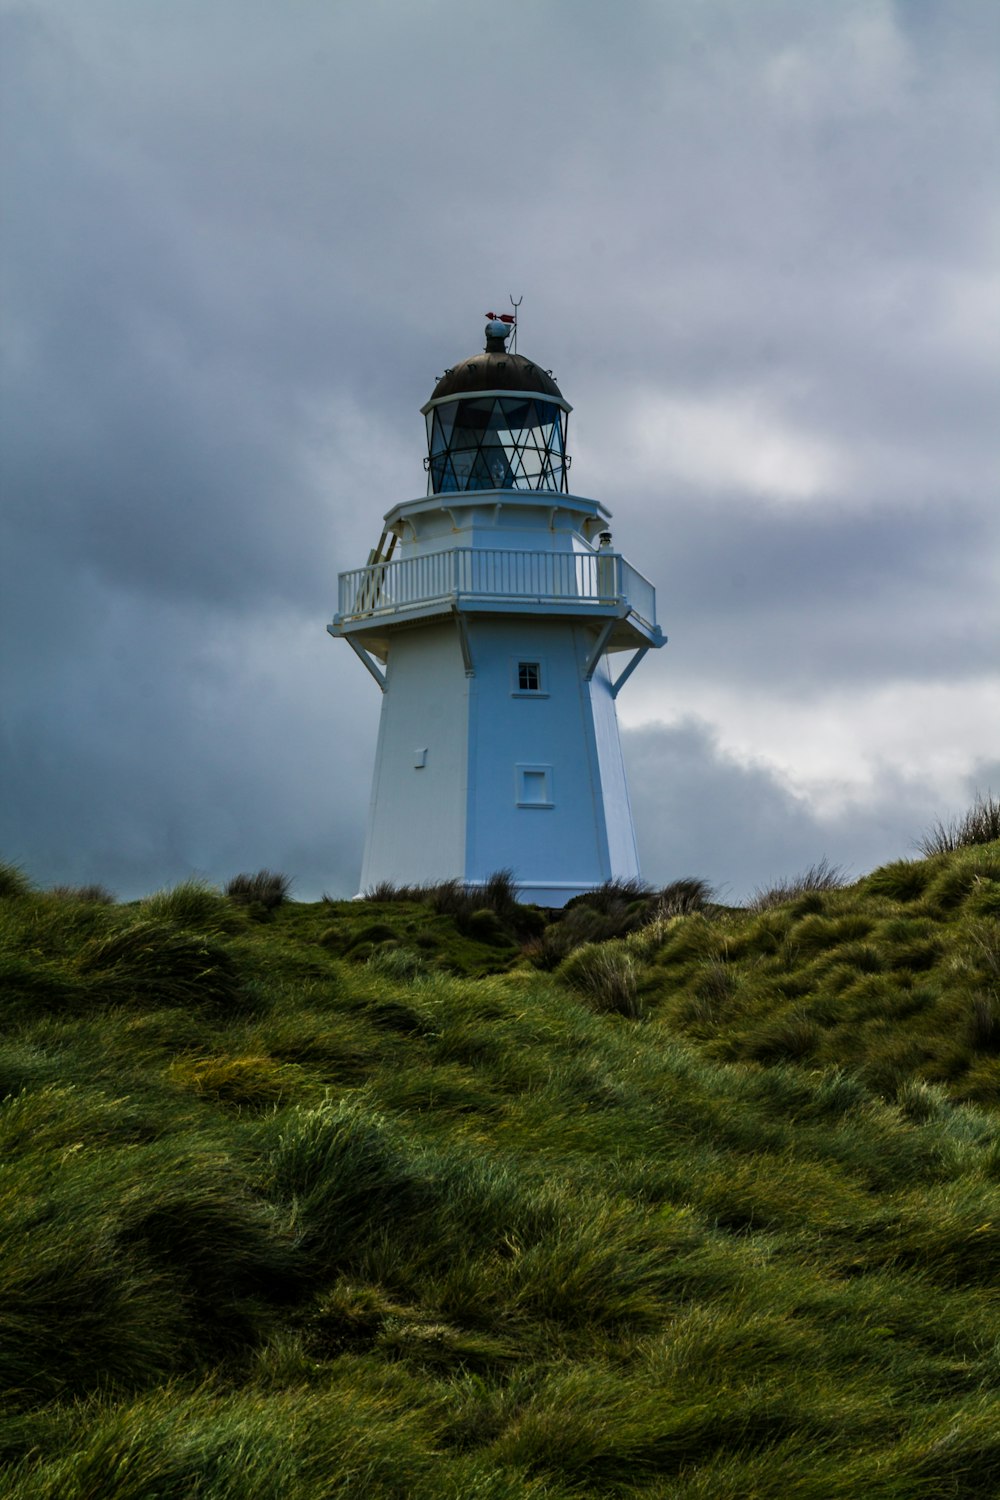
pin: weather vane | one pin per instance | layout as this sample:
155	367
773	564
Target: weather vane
510	319
515	306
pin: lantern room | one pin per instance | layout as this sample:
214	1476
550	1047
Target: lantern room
496	421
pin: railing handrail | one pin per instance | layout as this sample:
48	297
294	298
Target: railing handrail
589	578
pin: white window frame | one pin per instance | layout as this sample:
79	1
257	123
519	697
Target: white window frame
516	691
521	772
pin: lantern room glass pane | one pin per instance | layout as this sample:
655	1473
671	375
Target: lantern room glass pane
489	442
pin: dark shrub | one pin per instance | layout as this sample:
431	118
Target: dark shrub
485	926
498	893
618	907
578	925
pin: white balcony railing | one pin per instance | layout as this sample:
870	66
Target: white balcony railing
588	579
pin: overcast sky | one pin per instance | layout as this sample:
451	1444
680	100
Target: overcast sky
757	242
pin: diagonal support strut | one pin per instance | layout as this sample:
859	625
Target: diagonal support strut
365	658
627	671
598	648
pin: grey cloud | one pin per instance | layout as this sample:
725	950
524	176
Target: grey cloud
700	812
162	744
245	246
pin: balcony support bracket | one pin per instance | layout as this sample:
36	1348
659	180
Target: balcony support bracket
366	659
626	673
463	641
598	649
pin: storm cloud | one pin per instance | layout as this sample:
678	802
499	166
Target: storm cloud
757	244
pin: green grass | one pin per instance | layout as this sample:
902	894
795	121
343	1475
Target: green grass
385	1199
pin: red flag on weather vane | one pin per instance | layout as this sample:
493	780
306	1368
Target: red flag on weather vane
501	317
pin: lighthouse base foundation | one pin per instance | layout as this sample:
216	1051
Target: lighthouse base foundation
499	750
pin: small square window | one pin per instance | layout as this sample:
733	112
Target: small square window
534	786
528	679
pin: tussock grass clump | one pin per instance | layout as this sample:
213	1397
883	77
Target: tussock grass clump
904	880
884	978
385	891
398	963
248	1082
613	910
819	877
974	875
578	925
193	904
347	1177
267	889
13	882
613	897
95	894
607	976
979	825
454	898
682	897
487	912
152	963
133	1261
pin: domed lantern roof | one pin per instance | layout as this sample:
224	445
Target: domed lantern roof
496	421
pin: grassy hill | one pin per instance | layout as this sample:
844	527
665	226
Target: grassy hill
428	1196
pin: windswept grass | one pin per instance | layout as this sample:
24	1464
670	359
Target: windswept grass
819	877
95	893
267	889
192	904
365	1201
613	910
979	825
13	882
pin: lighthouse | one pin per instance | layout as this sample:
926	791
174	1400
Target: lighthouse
500	624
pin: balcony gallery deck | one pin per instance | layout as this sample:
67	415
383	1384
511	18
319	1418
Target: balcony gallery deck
497	575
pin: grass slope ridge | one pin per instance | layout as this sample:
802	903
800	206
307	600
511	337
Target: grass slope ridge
368	1200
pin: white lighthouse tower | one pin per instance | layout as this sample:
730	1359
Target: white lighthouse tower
500	625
